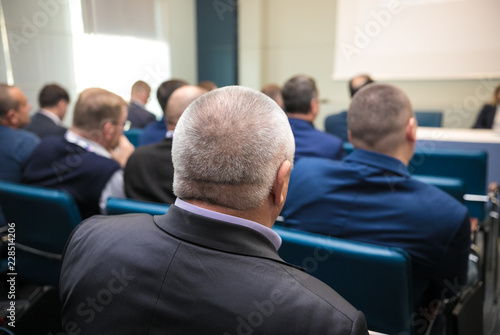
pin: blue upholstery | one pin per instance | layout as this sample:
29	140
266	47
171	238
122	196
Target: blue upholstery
374	279
429	118
467	165
116	206
453	186
44	219
133	135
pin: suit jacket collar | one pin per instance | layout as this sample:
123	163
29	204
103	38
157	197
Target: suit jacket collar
378	160
214	234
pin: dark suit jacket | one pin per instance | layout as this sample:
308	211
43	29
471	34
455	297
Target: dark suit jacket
139	116
149	173
182	273
336	124
485	117
43	126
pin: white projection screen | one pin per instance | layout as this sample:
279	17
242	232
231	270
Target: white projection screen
417	39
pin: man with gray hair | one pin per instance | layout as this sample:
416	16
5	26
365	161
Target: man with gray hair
210	264
370	196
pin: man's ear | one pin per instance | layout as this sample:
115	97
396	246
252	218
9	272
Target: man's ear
314	107
411	129
349	135
10	119
107	130
280	187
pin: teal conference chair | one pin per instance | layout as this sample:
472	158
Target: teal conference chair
43	220
374	279
429	118
133	135
116	206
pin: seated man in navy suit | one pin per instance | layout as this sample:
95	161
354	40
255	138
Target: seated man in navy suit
210	264
300	97
138	115
87	161
53	101
370	196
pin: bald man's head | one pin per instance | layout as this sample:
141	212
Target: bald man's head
178	102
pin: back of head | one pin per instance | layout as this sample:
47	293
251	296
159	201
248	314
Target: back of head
297	94
95	107
165	91
51	94
228	147
358	82
140	88
274	92
377	118
7	101
180	99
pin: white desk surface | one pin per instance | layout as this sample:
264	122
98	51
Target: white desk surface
458	135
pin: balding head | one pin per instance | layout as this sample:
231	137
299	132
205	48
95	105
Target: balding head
178	102
379	117
358	82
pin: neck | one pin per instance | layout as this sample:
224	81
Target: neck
309	117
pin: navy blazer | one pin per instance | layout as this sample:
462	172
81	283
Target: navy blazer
139	116
182	273
370	197
43	126
311	142
485	117
336	124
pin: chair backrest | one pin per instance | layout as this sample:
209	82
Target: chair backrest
467	165
116	206
429	118
374	279
43	218
133	135
453	186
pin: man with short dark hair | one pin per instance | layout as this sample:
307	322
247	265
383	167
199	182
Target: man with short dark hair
53	101
87	162
370	196
300	97
210	264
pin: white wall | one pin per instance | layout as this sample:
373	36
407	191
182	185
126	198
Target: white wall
296	36
41	45
42	50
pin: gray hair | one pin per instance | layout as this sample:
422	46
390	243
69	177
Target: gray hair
377	116
228	147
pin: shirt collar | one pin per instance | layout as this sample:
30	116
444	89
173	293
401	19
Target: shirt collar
87	144
378	160
270	234
51	116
